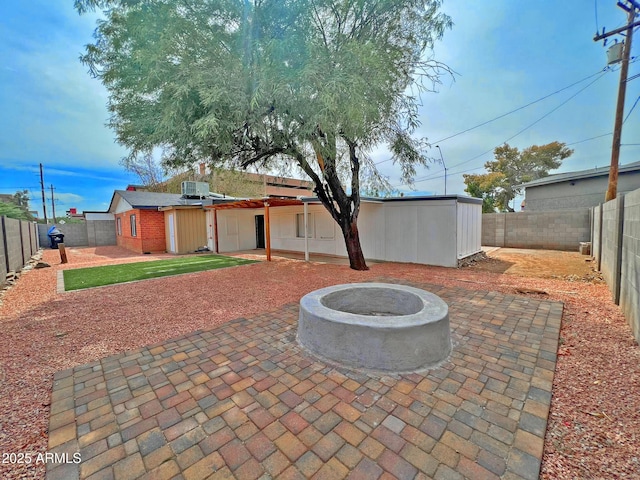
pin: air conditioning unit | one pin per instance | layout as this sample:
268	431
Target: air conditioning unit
195	189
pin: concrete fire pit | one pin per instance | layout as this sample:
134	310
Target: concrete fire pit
375	326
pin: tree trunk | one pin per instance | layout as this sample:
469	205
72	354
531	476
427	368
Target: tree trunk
354	250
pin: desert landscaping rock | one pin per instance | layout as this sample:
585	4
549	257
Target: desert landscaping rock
597	369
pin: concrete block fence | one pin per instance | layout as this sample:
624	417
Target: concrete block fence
552	230
613	228
616	247
18	243
92	233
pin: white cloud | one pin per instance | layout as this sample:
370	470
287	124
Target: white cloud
68	198
55	112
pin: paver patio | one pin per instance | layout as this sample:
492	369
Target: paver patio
243	401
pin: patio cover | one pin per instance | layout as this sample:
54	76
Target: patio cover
260	203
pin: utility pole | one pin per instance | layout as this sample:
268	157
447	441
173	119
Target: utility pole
44	202
445	169
612	189
53	205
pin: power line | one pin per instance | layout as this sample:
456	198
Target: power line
537	121
562	104
591	138
512	111
602	73
436	176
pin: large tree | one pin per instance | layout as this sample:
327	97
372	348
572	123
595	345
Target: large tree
510	169
271	82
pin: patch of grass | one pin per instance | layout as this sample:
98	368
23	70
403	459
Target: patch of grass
79	278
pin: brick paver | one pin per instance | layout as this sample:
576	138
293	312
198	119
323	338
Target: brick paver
243	401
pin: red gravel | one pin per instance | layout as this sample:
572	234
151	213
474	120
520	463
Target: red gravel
594	424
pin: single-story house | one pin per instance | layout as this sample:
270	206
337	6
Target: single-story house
185	228
139	222
438	230
585	188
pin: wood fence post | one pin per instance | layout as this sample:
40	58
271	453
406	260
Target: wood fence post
63	253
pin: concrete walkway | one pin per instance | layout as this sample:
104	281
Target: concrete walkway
313	257
242	401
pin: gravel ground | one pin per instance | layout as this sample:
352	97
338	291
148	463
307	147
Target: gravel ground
594	424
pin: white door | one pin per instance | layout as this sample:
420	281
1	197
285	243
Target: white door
172	235
210	232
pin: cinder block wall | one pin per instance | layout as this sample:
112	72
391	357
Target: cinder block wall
75	234
552	230
3	260
611	243
595	233
493	229
630	271
18	243
14	244
618	254
101	233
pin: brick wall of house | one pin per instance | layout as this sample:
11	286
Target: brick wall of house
149	231
124	237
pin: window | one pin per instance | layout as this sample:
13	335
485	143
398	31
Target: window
119	226
132	219
325	227
300	225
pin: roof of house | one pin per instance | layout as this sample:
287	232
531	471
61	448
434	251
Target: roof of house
569	176
147	200
220	204
413	198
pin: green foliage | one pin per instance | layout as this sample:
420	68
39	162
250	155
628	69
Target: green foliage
21	198
309	83
11	210
484	186
18	207
510	169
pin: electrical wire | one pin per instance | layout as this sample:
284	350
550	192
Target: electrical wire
634	106
437	175
512	111
534	123
602	73
588	139
523	107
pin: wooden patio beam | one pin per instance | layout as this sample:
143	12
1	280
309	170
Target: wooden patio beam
267	232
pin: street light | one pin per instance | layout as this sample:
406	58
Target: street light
445	169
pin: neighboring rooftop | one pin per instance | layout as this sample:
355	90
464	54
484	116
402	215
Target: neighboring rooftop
569	176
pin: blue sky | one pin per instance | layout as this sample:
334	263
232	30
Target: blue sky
506	54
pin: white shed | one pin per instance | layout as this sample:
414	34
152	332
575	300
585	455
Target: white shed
437	230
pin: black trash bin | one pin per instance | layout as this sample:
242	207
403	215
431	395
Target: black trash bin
55	237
